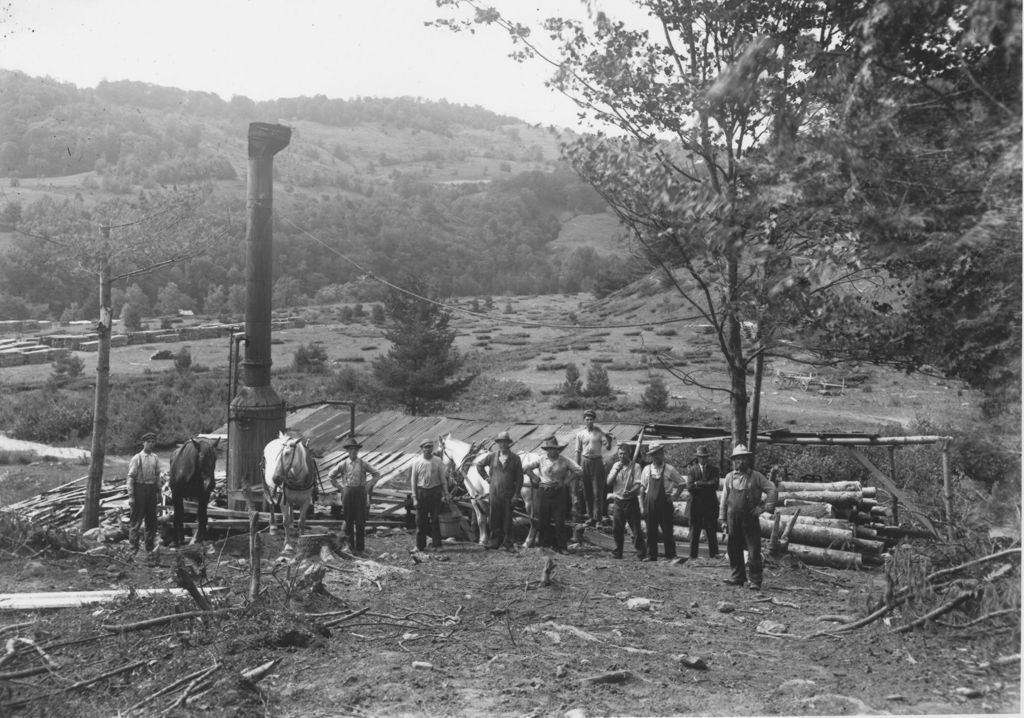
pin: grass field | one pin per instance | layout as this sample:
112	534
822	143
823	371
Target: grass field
529	340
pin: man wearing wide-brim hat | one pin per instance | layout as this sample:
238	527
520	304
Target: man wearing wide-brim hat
739	516
660	483
349	478
503	470
702	484
556	474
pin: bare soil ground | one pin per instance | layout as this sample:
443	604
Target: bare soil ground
468	632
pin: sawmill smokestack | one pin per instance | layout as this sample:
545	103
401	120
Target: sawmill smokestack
257	413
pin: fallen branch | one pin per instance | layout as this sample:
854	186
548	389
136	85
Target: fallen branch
187	582
255	675
160	620
16	626
986	617
75	686
194	685
174	686
944	608
342	619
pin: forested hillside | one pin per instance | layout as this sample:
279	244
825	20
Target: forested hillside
473	201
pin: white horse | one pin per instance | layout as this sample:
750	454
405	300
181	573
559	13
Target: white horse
460	459
289	481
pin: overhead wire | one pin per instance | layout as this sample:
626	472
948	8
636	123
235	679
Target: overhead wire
500	318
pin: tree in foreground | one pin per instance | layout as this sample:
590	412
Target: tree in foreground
716	163
422	367
113	242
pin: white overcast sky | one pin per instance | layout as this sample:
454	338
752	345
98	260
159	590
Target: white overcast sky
264	50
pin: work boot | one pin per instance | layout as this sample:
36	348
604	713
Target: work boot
734	581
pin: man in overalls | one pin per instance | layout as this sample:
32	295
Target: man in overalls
143	484
503	470
738	516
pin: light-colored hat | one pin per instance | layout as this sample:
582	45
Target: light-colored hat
352	444
427	442
656	449
149	436
552	443
503	436
703	451
591	413
740	450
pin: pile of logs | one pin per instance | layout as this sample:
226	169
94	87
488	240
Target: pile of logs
838	524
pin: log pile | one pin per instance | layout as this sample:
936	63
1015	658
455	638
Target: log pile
837	524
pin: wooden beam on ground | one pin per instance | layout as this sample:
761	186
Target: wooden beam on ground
889	486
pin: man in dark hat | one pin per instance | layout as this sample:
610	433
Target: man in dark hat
349	477
429	491
143	486
556	473
739	516
590	443
503	470
703	487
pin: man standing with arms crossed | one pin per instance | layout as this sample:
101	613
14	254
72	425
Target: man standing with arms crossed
741	507
504	472
703	488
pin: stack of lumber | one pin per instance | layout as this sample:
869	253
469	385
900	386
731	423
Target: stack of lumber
837	524
61	508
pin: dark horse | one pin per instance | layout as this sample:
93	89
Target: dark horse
192	467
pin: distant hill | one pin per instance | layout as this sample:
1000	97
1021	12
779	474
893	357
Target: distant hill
479	202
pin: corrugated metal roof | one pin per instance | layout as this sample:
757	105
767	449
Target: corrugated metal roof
391	439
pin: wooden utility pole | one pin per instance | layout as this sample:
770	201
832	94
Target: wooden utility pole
91	510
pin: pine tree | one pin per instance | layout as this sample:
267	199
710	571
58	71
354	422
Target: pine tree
419	368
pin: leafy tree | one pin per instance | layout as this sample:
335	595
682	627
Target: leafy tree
131	318
931	136
183	360
714	166
422	365
377	314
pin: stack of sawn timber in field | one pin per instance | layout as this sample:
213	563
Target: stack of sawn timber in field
838	524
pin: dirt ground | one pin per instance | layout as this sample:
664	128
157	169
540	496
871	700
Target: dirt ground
469	632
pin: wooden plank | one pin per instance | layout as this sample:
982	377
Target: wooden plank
891	487
72	599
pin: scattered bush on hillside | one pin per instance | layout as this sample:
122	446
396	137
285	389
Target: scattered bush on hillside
183	360
310	358
655	396
67	366
598	383
49	415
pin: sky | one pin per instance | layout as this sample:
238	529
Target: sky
263	50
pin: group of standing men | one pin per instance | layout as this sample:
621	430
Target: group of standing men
629	491
632	492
